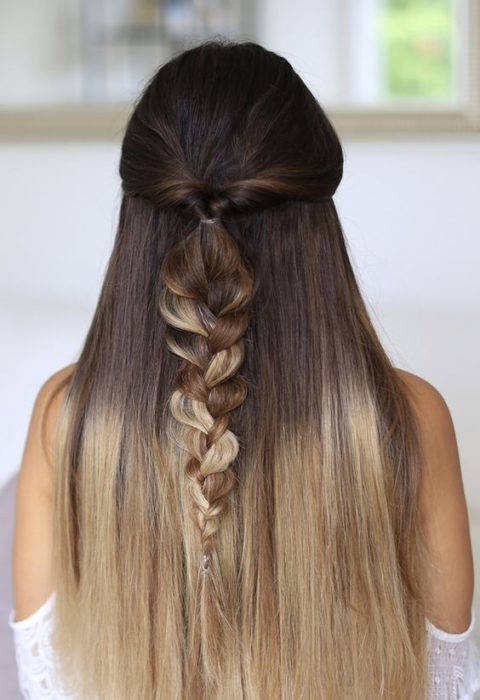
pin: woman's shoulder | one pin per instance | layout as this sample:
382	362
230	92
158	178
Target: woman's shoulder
425	396
31	549
37	454
442	507
44	419
435	422
436	429
57	381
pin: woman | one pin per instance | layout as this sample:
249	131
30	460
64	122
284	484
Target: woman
237	495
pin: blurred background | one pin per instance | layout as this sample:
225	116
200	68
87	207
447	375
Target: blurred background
400	80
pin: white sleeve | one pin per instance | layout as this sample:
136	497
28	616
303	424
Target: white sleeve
453	663
34	656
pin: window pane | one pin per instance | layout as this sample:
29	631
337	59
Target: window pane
416	43
96	51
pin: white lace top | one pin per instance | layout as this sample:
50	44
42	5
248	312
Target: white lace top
453	659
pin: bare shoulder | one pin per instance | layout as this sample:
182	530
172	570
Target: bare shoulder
37	453
424	395
438	436
32	531
443	508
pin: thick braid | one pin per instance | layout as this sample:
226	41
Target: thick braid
207	288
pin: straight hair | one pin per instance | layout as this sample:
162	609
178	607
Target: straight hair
237	462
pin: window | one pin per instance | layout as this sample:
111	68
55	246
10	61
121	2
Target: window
420	49
409	51
411	66
376	66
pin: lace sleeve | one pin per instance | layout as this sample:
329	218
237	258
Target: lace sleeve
453	663
34	655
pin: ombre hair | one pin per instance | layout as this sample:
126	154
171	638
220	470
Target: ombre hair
237	461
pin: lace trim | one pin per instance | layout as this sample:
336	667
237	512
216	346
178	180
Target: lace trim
453	663
452	636
44	609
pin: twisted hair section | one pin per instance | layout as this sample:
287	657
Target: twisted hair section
204	302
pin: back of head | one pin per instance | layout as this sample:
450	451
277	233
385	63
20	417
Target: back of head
237	463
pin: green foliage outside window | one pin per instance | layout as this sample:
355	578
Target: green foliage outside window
416	36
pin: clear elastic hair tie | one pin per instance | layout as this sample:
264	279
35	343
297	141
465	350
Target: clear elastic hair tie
204	564
214	220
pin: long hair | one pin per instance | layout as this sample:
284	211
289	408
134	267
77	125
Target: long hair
237	461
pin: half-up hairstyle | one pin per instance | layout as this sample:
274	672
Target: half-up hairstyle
237	462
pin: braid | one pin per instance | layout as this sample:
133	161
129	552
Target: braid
204	301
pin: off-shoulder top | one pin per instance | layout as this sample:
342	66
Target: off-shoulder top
453	659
